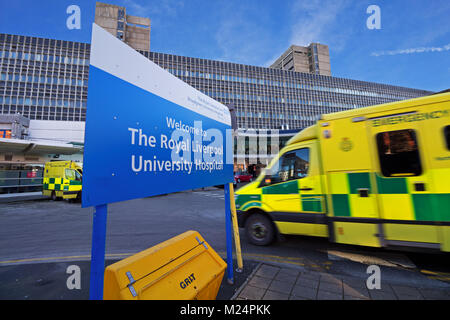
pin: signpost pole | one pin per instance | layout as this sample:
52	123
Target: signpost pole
98	252
229	235
237	240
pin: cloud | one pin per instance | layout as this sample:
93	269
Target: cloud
244	37
411	51
136	8
149	10
315	20
274	58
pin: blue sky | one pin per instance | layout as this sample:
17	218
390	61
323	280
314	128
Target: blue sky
411	49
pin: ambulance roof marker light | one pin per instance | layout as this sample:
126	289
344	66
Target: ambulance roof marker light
358	119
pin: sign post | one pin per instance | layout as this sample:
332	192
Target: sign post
237	240
229	235
147	133
98	252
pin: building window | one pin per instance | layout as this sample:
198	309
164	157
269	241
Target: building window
447	136
121	14
398	153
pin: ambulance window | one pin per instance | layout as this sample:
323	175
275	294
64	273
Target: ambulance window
398	153
70	174
447	136
291	166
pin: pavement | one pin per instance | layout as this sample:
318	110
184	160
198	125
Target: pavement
34	255
277	282
48	281
259	280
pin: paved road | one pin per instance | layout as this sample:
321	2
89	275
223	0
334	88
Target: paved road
35	230
45	228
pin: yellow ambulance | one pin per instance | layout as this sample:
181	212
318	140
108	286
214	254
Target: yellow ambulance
62	180
377	176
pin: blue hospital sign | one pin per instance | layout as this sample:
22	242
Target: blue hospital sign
147	132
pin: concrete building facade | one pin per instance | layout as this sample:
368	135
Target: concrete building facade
314	59
43	79
14	126
46	79
133	30
268	98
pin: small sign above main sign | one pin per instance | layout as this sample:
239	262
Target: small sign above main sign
148	132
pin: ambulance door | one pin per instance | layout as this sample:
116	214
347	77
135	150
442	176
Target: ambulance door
436	151
403	181
280	185
312	197
352	201
293	191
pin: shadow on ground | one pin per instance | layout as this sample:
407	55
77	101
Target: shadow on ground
47	281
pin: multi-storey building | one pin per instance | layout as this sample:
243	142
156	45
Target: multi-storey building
314	58
133	30
43	79
47	79
268	98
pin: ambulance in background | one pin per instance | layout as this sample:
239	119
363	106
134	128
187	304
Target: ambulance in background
62	180
377	176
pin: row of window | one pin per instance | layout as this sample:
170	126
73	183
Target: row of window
48	80
42	42
280	116
42	111
85	62
250	97
42	102
43	58
267	82
177	72
49	115
214	94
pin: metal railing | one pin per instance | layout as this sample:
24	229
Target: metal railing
17	181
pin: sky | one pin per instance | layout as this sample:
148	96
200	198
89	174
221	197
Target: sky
411	47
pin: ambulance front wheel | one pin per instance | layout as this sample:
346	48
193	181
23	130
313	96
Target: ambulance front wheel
259	229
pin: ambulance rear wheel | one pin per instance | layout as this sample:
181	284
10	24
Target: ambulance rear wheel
259	230
53	196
